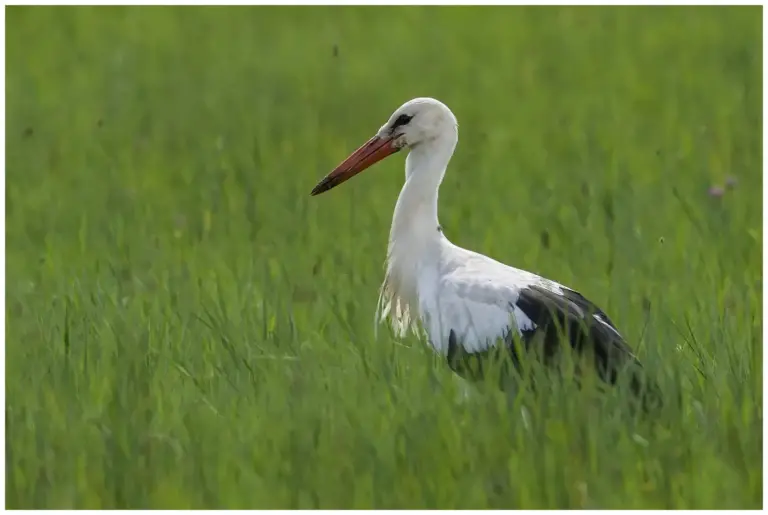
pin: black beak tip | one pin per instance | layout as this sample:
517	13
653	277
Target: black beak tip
322	186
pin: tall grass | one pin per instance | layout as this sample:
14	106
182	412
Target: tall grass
186	327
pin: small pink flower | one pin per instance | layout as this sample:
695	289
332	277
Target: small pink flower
716	191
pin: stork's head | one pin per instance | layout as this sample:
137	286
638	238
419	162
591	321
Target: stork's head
417	121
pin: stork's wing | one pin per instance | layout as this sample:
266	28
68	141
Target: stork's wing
536	310
585	326
483	301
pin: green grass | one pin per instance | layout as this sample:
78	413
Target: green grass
186	327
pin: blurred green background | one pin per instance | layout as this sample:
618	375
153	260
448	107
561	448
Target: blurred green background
186	327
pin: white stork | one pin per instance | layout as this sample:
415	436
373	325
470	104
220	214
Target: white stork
466	302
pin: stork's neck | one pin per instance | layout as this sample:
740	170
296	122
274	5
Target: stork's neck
415	223
415	237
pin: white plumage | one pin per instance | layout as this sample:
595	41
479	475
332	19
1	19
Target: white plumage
459	290
458	296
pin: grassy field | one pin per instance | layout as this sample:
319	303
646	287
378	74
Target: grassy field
186	327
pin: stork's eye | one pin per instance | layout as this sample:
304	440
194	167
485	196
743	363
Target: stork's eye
403	119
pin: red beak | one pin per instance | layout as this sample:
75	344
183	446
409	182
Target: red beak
374	150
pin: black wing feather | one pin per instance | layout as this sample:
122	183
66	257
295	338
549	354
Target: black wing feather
569	314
